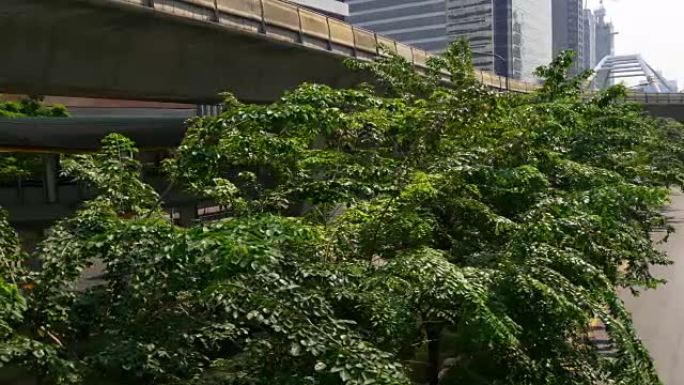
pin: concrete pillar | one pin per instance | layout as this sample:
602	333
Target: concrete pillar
51	164
188	215
20	189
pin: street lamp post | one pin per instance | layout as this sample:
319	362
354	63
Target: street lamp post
503	60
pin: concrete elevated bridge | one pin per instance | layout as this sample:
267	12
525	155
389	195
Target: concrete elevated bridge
189	51
666	105
183	50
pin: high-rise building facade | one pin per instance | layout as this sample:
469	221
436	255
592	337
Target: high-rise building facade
568	30
475	21
532	36
605	35
419	23
509	37
589	39
335	8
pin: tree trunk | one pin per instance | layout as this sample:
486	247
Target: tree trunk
433	333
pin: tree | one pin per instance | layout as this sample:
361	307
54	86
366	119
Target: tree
18	349
436	232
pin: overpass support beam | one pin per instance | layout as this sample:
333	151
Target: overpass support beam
51	163
188	215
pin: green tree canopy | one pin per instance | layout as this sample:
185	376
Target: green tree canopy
434	232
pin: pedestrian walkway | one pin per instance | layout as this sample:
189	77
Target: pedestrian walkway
659	314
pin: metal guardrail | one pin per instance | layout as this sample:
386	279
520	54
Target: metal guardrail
657	98
294	24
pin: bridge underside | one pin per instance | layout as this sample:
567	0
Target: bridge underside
106	49
83	134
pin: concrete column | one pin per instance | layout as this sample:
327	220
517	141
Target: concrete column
20	189
188	215
51	164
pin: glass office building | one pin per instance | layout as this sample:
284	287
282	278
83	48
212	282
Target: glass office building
589	39
536	34
523	36
420	23
568	30
475	21
509	37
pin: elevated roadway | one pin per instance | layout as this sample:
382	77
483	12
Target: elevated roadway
189	51
183	50
83	134
664	105
163	127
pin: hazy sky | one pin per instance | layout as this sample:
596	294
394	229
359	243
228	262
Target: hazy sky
651	28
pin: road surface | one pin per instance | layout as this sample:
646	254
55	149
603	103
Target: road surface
659	314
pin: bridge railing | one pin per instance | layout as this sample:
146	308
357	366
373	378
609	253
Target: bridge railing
656	98
294	24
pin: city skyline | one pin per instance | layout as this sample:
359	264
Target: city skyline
509	37
648	30
427	30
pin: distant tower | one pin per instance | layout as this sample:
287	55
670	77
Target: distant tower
590	60
605	35
568	29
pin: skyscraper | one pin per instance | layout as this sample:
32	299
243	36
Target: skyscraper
335	8
532	32
605	35
568	30
589	39
509	37
416	22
